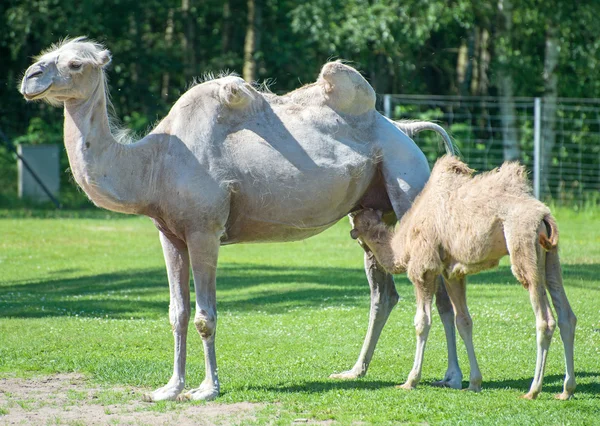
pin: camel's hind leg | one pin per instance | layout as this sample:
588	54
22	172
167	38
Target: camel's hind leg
529	266
453	376
457	289
566	318
383	299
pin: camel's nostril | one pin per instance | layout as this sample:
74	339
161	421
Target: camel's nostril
35	74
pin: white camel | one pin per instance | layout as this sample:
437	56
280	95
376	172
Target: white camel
229	164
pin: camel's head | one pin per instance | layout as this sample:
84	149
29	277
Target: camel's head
69	70
364	221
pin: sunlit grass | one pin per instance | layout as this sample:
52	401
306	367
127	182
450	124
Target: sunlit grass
90	295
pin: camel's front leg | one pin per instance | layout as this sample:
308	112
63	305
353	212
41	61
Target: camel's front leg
204	251
424	290
178	271
383	299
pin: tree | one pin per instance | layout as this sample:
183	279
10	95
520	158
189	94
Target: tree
253	35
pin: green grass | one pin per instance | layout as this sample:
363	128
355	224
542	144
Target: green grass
88	293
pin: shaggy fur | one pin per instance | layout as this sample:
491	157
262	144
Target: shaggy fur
460	225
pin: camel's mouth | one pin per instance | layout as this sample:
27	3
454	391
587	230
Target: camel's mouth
34	96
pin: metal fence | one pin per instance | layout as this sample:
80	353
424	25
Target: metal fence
566	165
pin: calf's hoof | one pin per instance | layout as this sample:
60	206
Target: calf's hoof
406	386
530	396
347	375
565	396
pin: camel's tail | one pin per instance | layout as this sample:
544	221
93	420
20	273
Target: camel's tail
411	128
549	242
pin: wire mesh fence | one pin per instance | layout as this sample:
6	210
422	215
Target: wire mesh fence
487	132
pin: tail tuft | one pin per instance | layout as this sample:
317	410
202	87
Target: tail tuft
549	242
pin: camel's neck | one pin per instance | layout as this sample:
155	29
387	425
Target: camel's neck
108	171
384	241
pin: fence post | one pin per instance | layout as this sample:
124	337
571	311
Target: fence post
537	147
387	106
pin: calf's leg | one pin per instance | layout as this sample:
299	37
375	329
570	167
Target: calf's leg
566	319
424	290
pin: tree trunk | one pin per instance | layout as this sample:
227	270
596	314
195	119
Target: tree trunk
461	65
551	55
252	43
188	40
508	112
226	33
166	77
467	64
483	62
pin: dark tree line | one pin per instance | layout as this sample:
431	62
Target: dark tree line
508	48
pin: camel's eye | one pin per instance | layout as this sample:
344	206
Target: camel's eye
75	65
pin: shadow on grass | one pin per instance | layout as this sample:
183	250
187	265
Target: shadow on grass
322	386
553	383
145	293
248	287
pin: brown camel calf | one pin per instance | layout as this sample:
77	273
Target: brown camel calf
460	225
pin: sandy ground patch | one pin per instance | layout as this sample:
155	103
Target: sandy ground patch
69	399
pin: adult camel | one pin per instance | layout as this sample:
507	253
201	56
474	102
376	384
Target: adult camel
229	164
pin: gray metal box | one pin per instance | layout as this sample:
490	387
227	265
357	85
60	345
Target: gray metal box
44	160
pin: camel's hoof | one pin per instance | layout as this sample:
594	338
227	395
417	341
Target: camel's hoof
472	388
406	386
346	375
200	394
448	383
565	396
529	395
165	393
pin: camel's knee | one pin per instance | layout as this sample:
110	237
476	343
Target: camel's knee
545	329
393	297
179	318
206	323
464	322
567	322
422	324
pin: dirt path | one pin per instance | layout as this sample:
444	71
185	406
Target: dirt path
69	399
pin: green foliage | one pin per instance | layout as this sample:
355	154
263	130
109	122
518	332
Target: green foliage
401	47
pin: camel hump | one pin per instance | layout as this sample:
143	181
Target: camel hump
236	93
346	90
451	164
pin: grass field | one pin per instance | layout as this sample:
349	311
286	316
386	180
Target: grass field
90	295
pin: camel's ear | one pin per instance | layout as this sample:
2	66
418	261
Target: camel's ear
104	58
236	93
354	234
